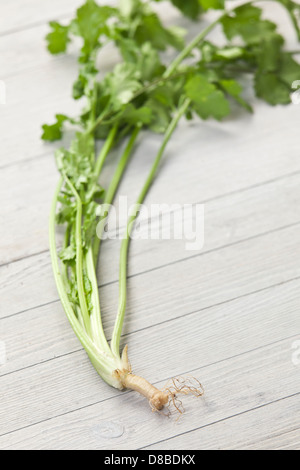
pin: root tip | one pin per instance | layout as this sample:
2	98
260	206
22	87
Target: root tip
159	400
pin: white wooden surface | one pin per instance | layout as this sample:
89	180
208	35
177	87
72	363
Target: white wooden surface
228	315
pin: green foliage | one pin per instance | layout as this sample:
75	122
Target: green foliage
58	39
212	4
140	92
293	10
90	24
208	100
192	8
144	91
53	132
132	93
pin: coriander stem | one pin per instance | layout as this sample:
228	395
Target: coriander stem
95	316
98	357
188	49
115	184
171	69
105	151
115	342
79	260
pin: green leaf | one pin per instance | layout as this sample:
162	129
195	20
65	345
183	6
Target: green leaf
123	83
190	8
83	146
245	21
128	7
165	95
135	116
230	53
58	39
271	89
234	89
208	101
161	116
211	53
212	4
90	23
268	52
68	254
54	132
81	85
289	69
150	29
294	12
145	58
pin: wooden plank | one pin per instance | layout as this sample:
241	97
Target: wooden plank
25	208
233	386
24	51
44	86
33	98
27	49
48	378
228	220
246	166
27	52
30	28
271	427
36	95
159	296
173	292
16	15
285	440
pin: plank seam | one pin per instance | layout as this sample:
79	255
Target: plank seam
172	263
118	394
223	419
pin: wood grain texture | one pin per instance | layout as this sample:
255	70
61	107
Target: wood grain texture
156	297
227	314
228	220
251	380
243	166
17	15
246	431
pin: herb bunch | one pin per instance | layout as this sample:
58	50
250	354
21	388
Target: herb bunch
144	92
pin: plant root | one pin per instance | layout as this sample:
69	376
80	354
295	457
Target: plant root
168	397
159	399
182	386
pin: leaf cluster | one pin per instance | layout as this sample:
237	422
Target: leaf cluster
140	91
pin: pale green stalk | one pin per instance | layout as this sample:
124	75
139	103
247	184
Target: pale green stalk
79	260
114	184
105	151
115	342
103	362
95	315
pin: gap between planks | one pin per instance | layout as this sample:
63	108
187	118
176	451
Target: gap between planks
171	263
222	320
233	366
203	202
157	445
154	325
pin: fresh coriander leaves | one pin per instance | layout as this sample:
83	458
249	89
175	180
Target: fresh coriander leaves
191	8
90	24
143	90
133	94
246	22
53	132
58	39
208	100
293	10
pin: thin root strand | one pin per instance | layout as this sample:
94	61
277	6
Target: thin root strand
184	386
